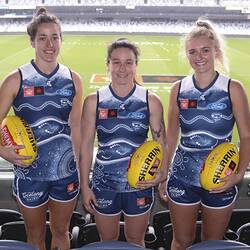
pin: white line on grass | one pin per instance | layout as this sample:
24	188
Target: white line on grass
14	55
155	59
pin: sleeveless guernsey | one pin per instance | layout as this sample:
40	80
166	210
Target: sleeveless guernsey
44	102
122	125
206	120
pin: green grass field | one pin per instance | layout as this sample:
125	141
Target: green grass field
160	55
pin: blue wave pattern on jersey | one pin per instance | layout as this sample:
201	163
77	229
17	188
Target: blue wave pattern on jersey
122	125
45	102
206	120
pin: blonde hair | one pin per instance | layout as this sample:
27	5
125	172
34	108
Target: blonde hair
204	27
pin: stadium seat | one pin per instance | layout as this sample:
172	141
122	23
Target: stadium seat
231	235
88	233
150	238
77	219
15	245
238	218
219	245
110	245
168	234
8	215
160	219
15	230
244	233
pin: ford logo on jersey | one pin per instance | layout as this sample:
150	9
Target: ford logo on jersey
64	92
136	115
217	106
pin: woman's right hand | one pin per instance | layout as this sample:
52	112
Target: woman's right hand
9	153
89	200
162	191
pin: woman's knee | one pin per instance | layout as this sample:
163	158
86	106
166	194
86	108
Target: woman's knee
35	235
136	239
59	231
183	241
110	236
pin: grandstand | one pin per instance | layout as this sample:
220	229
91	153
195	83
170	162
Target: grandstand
130	16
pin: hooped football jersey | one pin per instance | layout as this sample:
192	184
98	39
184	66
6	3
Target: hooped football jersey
45	102
206	120
122	125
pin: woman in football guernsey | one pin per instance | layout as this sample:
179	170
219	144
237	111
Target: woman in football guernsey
121	115
48	96
204	106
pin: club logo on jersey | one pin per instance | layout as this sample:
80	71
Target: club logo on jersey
107	113
33	91
39	90
217	106
188	104
136	115
192	104
112	113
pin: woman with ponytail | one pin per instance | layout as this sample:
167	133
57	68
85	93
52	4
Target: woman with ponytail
204	107
48	96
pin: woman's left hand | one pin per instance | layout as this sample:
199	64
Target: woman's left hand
229	182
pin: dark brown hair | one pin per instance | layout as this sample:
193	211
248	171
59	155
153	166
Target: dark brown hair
40	17
123	43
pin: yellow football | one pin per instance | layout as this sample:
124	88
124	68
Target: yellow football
146	157
222	161
15	131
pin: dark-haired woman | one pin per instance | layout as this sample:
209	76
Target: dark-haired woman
121	114
205	105
48	96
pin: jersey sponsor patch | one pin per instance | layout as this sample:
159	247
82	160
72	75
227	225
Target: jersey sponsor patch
33	91
107	113
72	187
187	104
64	92
217	106
141	201
28	91
136	115
103	113
184	103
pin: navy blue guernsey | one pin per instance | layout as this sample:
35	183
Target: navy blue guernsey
44	102
206	120
122	125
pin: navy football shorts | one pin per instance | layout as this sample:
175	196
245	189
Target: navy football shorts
185	194
130	203
36	193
